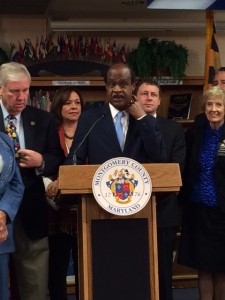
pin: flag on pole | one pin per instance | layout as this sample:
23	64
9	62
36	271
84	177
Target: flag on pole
14	53
20	56
212	56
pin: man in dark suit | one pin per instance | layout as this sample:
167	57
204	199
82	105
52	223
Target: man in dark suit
96	139
148	95
40	155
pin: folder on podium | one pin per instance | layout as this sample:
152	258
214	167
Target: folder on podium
117	254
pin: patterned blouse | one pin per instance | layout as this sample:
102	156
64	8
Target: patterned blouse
204	190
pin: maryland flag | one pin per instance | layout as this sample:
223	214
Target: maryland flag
212	56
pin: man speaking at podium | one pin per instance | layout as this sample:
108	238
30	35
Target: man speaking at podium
119	128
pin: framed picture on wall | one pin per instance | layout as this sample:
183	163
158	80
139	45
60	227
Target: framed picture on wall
179	107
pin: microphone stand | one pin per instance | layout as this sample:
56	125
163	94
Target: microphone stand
84	138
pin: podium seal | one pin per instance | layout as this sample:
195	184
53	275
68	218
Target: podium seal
122	186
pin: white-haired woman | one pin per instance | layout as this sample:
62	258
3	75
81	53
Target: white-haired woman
203	195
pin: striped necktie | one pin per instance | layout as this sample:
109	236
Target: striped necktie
119	128
11	131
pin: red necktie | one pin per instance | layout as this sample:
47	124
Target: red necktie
11	131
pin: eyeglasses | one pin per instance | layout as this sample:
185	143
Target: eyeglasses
16	92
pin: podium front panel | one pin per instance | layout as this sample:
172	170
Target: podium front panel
120	259
133	248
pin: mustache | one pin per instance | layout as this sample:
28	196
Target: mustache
118	96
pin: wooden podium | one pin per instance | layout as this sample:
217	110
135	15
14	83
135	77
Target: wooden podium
117	255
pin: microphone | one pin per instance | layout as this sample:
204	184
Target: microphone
84	138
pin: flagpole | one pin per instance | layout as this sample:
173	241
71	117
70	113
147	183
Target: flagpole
209	33
212	56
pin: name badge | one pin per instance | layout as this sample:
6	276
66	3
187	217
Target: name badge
221	149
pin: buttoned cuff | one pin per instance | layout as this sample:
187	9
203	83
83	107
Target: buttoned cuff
40	169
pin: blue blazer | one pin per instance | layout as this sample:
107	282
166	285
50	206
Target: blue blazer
144	141
41	135
11	189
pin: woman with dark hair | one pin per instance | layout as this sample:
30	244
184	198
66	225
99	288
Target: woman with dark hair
66	108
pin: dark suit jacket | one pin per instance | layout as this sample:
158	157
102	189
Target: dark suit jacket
194	138
41	135
143	141
167	206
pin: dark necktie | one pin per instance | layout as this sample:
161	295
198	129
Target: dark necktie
119	128
11	131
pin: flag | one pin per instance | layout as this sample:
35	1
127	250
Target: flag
58	45
82	46
28	49
77	46
92	46
42	48
67	47
212	56
76	52
50	46
122	55
98	49
114	52
14	53
20	56
108	50
37	49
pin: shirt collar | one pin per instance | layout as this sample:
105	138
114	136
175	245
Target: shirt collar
5	112
114	111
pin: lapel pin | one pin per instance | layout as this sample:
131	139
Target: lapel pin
32	123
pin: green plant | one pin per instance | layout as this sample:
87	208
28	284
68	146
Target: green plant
155	58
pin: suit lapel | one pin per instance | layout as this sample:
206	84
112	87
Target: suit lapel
29	127
2	124
109	127
163	127
130	132
7	155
